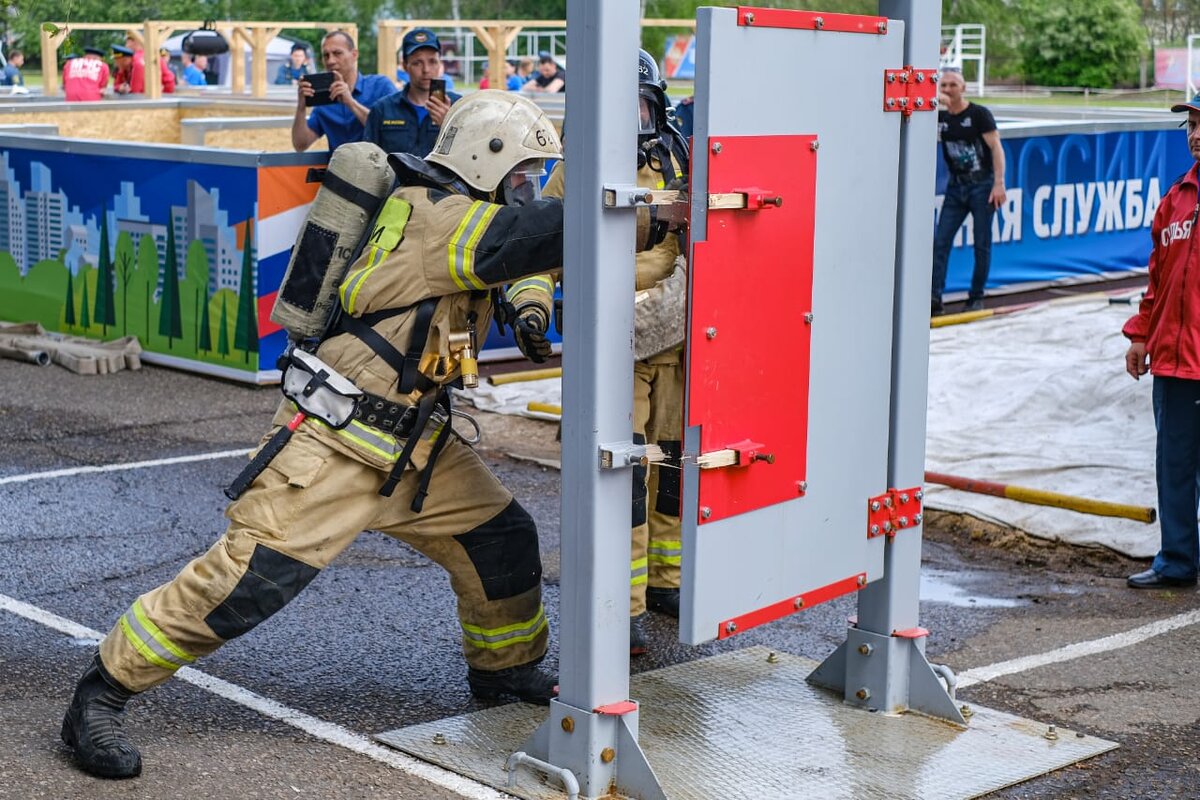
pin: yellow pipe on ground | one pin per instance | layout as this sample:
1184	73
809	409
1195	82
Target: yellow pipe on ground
1084	505
527	375
961	318
544	408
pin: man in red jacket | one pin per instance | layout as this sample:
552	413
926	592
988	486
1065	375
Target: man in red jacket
1165	339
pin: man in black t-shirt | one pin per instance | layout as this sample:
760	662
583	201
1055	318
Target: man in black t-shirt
975	158
550	76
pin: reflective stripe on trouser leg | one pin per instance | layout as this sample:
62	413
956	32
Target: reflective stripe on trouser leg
639	535
663	487
472	527
293	520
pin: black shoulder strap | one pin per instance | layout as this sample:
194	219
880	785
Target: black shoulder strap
406	366
344	189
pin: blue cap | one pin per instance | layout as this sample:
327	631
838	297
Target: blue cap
417	38
1190	105
121	50
96	51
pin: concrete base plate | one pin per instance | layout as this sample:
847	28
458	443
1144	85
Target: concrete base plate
747	725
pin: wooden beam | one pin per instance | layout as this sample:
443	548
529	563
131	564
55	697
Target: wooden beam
50	43
153	78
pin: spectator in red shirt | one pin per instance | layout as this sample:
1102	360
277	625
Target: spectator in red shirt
123	77
86	78
137	72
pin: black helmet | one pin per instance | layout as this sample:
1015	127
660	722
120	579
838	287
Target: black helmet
648	70
651	90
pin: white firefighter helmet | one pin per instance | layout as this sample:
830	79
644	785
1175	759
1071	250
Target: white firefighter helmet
487	134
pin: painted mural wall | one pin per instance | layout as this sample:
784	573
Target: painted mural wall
107	246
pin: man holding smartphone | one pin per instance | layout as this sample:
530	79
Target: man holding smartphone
340	98
410	120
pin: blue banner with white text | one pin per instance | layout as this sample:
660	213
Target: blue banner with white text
1078	204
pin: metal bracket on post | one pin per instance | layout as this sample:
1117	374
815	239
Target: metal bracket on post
624	196
617	455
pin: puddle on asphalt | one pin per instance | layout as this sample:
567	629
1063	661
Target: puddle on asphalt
938	587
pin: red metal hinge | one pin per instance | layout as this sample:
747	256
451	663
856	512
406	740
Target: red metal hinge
893	511
909	89
810	20
800	602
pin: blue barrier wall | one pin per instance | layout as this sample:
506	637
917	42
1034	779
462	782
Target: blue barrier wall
1078	204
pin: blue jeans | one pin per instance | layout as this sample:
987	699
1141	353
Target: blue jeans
1177	469
962	199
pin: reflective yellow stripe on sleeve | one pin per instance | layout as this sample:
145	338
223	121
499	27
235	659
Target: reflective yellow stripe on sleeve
462	245
388	232
149	640
496	638
540	282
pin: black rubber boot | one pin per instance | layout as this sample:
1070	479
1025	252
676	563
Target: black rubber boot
93	726
637	635
663	600
525	682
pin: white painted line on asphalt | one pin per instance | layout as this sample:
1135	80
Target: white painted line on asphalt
329	732
158	462
1079	649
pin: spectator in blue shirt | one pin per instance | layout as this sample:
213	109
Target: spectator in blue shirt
409	121
352	93
193	73
295	68
12	70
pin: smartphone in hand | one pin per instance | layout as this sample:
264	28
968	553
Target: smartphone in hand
321	82
437	88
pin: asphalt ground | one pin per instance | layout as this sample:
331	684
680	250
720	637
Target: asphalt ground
373	643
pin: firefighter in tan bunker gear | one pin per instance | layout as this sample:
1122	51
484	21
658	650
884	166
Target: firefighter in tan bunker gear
462	221
656	546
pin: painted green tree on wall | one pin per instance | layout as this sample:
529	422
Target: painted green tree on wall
106	312
69	311
169	322
245	337
198	274
85	321
123	264
147	268
223	334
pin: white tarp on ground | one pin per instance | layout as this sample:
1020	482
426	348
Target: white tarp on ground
1040	399
514	398
1037	398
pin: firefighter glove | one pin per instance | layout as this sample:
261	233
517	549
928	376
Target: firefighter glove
529	329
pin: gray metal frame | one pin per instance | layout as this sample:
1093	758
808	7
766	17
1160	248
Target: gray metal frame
600	749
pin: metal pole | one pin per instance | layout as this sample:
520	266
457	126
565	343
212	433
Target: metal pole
891	604
585	731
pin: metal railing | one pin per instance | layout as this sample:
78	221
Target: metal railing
963	44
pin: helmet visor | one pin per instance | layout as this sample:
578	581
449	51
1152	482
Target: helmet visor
645	117
523	184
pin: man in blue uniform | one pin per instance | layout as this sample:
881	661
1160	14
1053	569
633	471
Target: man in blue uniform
409	121
352	93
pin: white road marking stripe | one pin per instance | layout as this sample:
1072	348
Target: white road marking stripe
329	732
1078	650
158	462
